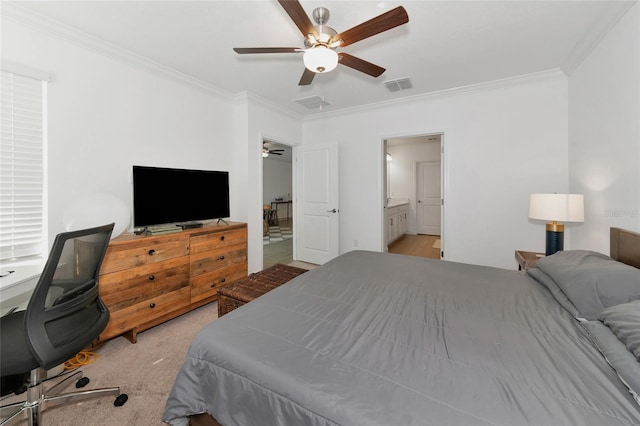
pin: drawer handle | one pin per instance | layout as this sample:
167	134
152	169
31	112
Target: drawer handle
152	252
152	277
222	238
221	257
223	280
152	305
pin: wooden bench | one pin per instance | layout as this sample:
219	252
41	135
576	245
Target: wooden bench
255	285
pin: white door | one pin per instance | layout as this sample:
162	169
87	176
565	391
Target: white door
428	205
317	212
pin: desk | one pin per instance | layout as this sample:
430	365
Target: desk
16	287
276	203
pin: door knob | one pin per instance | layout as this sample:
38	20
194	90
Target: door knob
332	211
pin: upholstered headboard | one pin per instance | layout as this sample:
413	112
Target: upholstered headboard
625	246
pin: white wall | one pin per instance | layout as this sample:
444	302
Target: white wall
277	175
104	115
604	135
501	144
107	113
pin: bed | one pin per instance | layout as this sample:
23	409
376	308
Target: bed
380	339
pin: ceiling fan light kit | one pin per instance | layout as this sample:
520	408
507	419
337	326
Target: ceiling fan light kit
320	59
321	41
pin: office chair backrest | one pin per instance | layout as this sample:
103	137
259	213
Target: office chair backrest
65	312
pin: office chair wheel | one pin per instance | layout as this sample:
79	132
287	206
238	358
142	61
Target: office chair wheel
82	382
121	399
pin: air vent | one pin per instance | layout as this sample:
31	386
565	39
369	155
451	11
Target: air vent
312	102
398	84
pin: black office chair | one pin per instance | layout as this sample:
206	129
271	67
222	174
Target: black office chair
64	315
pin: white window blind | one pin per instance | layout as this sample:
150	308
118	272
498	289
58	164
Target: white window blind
21	168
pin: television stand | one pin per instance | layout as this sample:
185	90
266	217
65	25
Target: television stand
147	280
221	220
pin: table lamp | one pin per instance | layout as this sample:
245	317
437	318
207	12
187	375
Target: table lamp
556	208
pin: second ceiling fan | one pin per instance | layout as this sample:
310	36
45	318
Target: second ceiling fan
321	41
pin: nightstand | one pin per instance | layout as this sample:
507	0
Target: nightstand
527	259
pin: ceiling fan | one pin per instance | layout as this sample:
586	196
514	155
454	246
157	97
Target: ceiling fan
266	151
321	41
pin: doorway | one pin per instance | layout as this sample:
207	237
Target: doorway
277	198
414	176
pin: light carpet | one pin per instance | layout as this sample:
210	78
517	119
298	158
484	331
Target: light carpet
145	371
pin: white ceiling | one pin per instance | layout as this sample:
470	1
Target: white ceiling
446	44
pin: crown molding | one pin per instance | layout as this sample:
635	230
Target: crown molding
587	45
250	97
21	15
488	85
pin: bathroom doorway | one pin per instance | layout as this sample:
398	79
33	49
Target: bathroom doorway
414	178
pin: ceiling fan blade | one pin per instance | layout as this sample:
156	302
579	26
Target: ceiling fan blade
380	23
276	150
274	153
360	64
299	17
307	77
244	50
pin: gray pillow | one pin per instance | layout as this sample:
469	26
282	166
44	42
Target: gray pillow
592	281
626	366
624	321
555	291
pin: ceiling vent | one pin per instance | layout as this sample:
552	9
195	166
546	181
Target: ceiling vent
398	84
312	102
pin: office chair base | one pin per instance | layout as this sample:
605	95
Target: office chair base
38	400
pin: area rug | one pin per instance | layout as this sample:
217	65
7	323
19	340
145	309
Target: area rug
277	234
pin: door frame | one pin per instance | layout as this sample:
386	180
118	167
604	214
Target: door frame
445	136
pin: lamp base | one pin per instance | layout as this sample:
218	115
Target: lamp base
555	242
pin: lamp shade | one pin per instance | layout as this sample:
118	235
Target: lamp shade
320	59
557	207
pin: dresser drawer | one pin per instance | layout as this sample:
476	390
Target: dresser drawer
144	252
205	242
126	319
206	285
119	290
212	260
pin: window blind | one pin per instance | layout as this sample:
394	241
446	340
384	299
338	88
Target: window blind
21	168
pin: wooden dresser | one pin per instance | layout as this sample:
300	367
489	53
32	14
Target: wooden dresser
146	280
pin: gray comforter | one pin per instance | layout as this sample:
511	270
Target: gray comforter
382	339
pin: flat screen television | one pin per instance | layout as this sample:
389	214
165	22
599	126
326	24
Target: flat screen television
167	195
